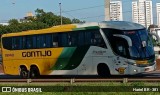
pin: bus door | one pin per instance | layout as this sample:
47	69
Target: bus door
120	64
121	49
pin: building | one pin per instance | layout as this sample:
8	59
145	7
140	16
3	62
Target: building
107	9
26	18
116	10
158	13
142	12
113	10
4	23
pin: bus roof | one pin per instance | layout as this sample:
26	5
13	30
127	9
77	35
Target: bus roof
121	25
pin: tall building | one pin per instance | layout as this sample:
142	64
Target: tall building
116	10
142	12
107	9
113	10
158	13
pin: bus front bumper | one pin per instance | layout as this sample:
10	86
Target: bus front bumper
137	70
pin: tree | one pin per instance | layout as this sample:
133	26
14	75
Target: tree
40	21
152	26
13	22
50	19
77	21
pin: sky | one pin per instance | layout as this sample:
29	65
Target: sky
87	10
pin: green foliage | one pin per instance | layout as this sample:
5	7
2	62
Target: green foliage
115	91
77	21
41	20
152	26
137	84
13	22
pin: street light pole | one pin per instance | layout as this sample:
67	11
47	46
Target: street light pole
60	12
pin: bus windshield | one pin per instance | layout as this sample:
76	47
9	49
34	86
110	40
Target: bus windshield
142	47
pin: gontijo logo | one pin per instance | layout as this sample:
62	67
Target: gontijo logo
21	89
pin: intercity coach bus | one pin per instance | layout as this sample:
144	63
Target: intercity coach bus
104	48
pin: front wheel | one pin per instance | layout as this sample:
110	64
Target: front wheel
103	70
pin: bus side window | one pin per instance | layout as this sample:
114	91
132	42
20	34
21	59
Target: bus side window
48	40
72	39
7	43
93	39
13	43
17	43
34	41
88	39
81	39
24	42
55	40
98	39
29	42
41	41
63	39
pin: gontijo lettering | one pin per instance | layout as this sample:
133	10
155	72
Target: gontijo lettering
37	53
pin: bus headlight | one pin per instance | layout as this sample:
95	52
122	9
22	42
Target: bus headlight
135	70
135	64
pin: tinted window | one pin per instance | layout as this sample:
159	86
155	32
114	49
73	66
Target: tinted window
17	43
72	38
81	38
24	42
55	40
7	43
41	41
63	40
48	40
34	41
66	39
29	42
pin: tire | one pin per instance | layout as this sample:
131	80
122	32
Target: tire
103	70
23	73
34	72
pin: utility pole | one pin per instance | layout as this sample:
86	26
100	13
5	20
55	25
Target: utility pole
107	10
60	12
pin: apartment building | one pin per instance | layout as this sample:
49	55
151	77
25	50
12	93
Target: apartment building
142	12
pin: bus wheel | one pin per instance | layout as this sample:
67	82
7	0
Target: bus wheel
23	72
34	72
103	70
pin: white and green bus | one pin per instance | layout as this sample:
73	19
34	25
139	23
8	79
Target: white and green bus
105	48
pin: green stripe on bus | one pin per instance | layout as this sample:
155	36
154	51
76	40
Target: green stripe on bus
85	28
70	58
92	27
77	58
64	58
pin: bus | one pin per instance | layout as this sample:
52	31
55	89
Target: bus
94	48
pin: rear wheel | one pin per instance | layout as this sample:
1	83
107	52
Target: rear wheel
103	70
34	72
23	72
